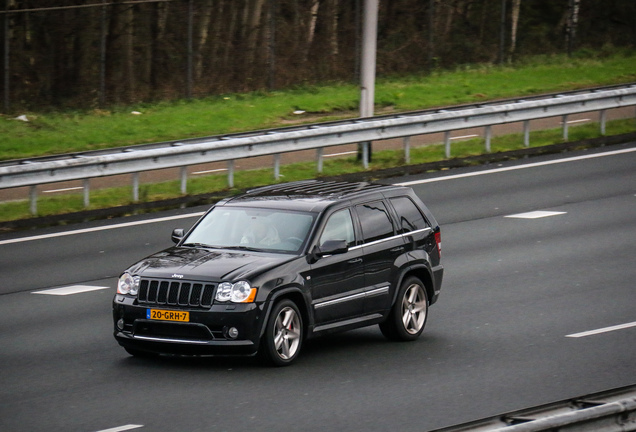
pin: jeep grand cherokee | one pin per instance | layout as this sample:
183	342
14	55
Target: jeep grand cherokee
264	271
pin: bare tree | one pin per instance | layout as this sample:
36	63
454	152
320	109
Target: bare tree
516	7
572	23
202	36
313	17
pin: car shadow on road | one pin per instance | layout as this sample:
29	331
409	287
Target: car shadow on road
366	344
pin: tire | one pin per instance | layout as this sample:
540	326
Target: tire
408	315
283	336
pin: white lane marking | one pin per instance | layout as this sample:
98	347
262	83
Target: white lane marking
209	171
73	289
463	137
122	428
341	154
518	167
602	330
535	214
102	228
63	190
577	121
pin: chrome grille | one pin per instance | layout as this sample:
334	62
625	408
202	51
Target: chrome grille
176	293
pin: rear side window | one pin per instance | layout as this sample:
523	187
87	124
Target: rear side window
375	221
409	216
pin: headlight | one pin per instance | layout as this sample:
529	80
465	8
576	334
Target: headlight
128	284
240	292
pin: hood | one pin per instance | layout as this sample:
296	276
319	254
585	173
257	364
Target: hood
207	264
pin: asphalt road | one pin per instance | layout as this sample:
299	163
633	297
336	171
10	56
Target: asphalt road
506	334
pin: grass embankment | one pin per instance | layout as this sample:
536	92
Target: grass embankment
54	133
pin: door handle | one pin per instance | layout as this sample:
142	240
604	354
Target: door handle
397	249
355	261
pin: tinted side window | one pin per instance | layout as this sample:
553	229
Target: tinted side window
339	227
375	221
409	215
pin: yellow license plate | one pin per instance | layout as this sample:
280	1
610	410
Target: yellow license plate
166	315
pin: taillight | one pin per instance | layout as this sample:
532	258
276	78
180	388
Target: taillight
438	240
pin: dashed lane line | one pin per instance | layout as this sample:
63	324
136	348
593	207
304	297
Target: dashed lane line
122	428
602	330
69	290
535	214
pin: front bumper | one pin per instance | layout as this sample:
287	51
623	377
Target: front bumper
206	332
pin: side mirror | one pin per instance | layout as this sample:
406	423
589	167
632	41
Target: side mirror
177	235
333	247
330	247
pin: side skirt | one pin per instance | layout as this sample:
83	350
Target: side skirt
349	324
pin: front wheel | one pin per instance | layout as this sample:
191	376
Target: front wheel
408	316
283	334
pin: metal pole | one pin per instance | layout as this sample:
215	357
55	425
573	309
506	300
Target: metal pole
230	173
135	187
87	192
565	127
488	138
319	157
407	149
447	144
277	166
603	119
526	133
367	74
33	198
184	180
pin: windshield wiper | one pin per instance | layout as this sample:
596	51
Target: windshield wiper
243	248
200	245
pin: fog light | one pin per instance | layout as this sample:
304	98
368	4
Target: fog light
232	333
120	324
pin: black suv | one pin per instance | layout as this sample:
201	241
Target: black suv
266	270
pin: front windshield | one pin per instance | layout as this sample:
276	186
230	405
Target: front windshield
252	228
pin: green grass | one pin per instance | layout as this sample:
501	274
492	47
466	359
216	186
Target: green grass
113	197
55	132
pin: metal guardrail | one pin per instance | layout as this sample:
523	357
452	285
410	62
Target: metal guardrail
133	160
610	411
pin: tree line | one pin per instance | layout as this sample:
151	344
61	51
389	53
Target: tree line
94	53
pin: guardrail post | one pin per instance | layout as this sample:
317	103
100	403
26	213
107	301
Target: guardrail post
230	173
603	120
488	138
565	127
447	144
87	192
407	149
33	198
365	155
526	133
184	180
135	187
319	156
277	166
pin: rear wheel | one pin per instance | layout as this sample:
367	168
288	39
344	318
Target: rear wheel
407	318
283	336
